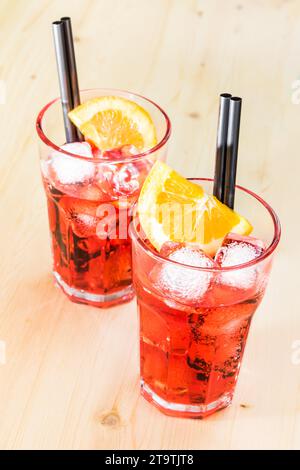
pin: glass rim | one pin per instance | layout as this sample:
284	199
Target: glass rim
136	157
269	250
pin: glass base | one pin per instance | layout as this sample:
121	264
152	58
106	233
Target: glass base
96	300
184	410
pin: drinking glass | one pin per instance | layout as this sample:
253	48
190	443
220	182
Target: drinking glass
194	321
89	205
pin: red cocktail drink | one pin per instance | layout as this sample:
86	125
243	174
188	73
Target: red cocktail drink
195	311
90	195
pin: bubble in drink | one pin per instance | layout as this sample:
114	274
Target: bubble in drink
237	250
180	282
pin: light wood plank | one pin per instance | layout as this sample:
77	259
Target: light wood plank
71	377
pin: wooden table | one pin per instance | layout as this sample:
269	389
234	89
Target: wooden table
70	379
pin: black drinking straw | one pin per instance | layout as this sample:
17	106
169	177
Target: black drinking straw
73	77
67	25
219	178
64	78
232	150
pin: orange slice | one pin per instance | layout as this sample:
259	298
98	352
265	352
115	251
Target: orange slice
110	122
174	209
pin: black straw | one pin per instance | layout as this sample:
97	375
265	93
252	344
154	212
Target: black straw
64	78
72	66
71	59
232	150
219	178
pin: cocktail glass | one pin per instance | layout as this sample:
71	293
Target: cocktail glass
89	205
194	321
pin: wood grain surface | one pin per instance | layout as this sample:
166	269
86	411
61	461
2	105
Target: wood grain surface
70	376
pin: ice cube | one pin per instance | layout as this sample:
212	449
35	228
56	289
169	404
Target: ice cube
84	225
104	179
89	192
79	148
126	151
178	282
169	247
237	250
126	180
113	154
66	170
143	166
129	150
81	214
123	178
118	180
